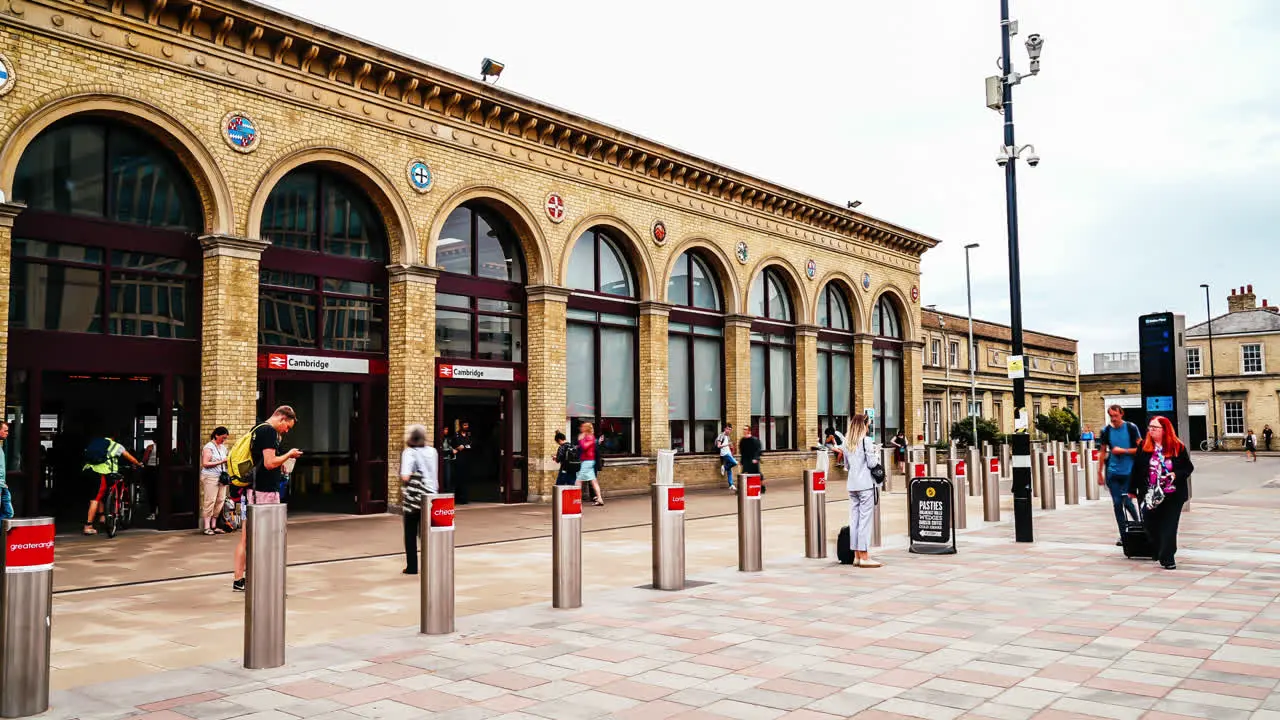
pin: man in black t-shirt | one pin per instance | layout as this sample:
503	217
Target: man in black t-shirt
264	449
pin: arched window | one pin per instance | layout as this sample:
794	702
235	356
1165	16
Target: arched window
886	368
835	359
773	360
324	278
695	354
602	342
96	167
480	294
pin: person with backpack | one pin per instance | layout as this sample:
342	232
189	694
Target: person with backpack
567	458
1118	443
419	465
260	475
102	459
858	455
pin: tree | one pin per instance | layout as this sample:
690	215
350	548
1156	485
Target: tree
1059	424
962	431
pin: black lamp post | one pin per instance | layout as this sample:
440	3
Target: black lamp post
1213	381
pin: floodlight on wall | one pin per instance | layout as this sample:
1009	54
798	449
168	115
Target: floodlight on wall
854	204
491	68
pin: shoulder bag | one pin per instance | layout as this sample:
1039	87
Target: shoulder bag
877	471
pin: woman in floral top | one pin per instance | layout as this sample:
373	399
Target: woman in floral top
1161	478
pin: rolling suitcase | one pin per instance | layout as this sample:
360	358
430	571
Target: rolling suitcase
1134	538
844	553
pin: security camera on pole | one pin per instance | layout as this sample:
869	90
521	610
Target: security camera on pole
1000	97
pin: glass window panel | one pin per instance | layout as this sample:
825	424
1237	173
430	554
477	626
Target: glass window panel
447	300
779	301
149	263
582	263
352	287
706	294
287	279
614	435
499	306
840	384
704	435
492	260
149	188
877	396
57	251
824	316
286	318
52	297
846	347
708	331
62	171
615	272
500	338
679	327
150	306
453	334
708	376
678	377
755	300
587	315
354	325
757	379
839	311
580	368
757	337
780	339
353	225
290	218
453	250
780	381
824	395
617	372
618	319
678	285
892	394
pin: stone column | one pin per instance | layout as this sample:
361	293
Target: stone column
229	335
411	361
737	371
545	352
913	389
654	417
8	211
862	380
807	387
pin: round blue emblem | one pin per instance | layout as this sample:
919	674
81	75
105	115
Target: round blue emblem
866	281
811	269
240	132
420	176
6	74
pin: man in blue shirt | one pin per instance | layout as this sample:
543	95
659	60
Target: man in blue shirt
1119	440
6	504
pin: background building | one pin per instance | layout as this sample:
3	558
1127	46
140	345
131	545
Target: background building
1245	369
216	208
1051	362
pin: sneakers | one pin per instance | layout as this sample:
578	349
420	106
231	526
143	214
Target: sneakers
237	585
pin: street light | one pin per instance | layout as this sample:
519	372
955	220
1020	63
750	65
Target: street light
1213	382
973	361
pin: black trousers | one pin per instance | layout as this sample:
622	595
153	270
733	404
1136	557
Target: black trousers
411	523
447	470
1162	529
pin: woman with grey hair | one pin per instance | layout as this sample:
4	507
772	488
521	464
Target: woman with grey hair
419	465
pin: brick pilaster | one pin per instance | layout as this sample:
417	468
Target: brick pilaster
862	380
737	370
411	353
229	334
655	425
912	389
548	391
807	386
8	211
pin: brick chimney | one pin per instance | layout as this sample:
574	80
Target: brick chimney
1242	300
1270	308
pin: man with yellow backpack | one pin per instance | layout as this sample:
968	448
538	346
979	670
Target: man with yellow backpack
255	465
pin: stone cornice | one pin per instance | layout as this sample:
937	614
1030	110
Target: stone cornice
653	307
9	211
233	246
399	86
738	321
547	293
807	330
413	274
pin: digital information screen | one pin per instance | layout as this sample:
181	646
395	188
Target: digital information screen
1160	403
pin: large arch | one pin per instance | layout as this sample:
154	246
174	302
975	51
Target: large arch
803	306
401	237
28	122
910	326
849	288
630	242
532	243
729	288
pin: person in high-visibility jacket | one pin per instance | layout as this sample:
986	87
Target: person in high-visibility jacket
102	458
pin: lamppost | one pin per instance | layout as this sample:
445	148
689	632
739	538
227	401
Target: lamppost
973	361
1213	381
1000	97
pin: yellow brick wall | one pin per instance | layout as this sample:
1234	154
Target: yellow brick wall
7	213
229	335
411	377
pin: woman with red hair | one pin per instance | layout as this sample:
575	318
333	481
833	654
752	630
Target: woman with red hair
1161	472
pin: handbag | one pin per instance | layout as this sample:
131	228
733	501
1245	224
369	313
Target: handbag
224	478
877	471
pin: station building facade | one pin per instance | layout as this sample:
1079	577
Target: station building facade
213	208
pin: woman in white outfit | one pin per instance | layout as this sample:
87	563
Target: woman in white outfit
859	456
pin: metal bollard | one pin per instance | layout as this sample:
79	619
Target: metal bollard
436	593
958	473
931	459
890	467
991	491
1091	488
26	615
975	461
566	547
875	518
1037	477
815	513
1048	478
266	546
1006	460
750	550
668	536
1071	493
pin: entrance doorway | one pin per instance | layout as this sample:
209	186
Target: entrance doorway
493	468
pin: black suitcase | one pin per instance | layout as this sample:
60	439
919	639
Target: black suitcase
844	553
1135	540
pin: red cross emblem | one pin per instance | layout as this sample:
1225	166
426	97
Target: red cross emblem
555	207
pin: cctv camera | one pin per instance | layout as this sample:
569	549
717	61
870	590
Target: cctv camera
1002	159
1033	159
1034	44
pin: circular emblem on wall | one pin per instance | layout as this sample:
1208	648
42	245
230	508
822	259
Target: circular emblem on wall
866	281
420	176
741	252
240	132
555	207
8	76
811	269
915	294
659	232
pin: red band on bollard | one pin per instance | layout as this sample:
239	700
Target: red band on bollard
959	468
995	465
571	502
442	514
675	499
819	481
918	470
29	548
752	485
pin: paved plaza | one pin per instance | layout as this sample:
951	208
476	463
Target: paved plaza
1063	628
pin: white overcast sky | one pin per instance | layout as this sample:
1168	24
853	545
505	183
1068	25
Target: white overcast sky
1158	122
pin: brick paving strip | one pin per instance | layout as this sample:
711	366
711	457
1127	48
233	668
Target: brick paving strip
1063	628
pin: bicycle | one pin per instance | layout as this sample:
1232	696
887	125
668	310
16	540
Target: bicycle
123	495
1209	444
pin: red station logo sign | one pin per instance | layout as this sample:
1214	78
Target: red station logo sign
442	513
959	468
571	502
675	499
819	481
753	485
28	548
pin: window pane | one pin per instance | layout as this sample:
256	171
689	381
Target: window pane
678	377
446	300
824	317
708	331
755	301
613	319
780	381
353	225
582	264
289	219
840	384
705	293
581	370
352	287
678	285
617	372
286	318
779	301
287	279
150	263
614	435
708	375
453	251
62	171
492	261
56	251
500	338
615	273
877	367
50	297
453	334
354	325
757	379
149	306
892	394
704	435
824	396
586	315
1233	411
839	311
149	188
